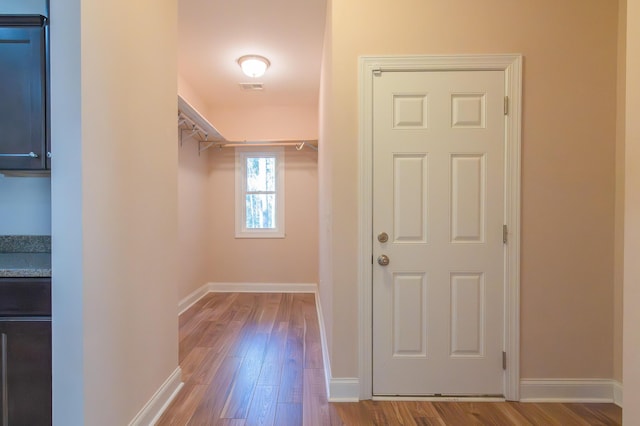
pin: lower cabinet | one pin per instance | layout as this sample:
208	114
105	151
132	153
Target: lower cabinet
25	371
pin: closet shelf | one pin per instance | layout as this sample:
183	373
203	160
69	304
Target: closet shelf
193	125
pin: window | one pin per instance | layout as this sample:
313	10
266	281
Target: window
259	193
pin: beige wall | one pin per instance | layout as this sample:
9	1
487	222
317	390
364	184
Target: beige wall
187	92
209	251
293	259
193	206
325	183
569	133
194	218
114	196
266	122
619	198
631	370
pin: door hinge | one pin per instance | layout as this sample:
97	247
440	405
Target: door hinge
504	360
505	234
506	105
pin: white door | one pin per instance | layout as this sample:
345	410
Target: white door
438	193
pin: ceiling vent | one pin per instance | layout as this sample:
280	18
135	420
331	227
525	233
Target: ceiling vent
252	86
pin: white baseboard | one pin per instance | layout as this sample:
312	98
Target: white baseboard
160	400
188	301
567	390
617	393
338	389
199	293
326	360
440	398
344	389
263	287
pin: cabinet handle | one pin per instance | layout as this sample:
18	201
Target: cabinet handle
31	154
3	380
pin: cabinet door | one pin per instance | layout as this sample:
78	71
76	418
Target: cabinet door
22	94
25	297
25	372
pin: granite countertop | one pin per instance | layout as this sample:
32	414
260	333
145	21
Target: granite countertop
25	265
25	256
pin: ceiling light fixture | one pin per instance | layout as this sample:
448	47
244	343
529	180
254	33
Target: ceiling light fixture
253	65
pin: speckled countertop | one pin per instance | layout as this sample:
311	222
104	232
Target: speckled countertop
25	256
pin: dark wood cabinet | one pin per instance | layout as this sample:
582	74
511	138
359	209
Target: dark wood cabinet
25	351
23	93
25	297
25	371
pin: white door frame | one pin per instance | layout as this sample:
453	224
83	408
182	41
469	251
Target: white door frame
512	67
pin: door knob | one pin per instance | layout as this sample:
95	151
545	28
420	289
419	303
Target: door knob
383	260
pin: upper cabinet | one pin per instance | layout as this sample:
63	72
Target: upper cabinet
24	136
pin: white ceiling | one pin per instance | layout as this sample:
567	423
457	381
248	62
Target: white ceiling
213	34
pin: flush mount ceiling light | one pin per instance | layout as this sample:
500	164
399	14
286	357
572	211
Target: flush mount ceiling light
253	65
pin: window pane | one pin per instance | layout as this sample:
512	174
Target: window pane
261	211
261	174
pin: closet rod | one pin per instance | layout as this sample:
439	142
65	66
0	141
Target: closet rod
299	144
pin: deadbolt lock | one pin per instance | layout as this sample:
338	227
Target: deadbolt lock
383	237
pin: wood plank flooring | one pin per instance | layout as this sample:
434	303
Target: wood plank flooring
256	359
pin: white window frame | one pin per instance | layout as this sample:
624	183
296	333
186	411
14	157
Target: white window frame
241	192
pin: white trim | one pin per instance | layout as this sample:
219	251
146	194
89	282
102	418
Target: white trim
567	390
326	360
199	293
192	298
365	230
513	134
241	192
512	67
440	398
262	287
194	115
617	393
153	409
345	389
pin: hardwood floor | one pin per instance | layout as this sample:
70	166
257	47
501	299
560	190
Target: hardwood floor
256	359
